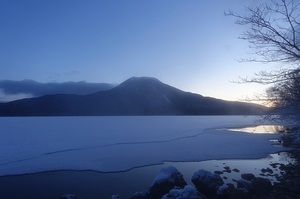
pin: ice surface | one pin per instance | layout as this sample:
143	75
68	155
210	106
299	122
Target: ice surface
108	144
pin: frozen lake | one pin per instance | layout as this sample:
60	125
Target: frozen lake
95	185
112	144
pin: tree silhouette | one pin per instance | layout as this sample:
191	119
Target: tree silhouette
273	32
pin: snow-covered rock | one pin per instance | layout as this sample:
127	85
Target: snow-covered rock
140	195
255	184
115	197
68	196
165	180
222	192
206	182
262	185
247	184
188	192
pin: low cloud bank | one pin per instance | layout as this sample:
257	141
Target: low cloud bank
11	90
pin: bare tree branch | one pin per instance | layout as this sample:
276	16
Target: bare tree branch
273	32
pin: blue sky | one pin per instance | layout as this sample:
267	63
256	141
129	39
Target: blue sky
188	44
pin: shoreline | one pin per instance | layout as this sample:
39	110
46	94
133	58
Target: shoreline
111	183
145	166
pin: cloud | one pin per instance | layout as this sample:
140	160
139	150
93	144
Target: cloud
30	88
12	97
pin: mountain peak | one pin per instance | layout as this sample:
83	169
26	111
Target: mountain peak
138	81
143	78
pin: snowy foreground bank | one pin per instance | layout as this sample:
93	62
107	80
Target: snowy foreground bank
107	144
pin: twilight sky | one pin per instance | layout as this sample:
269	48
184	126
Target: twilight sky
188	44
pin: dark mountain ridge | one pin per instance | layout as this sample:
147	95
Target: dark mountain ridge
135	96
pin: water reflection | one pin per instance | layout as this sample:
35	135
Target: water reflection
237	167
93	185
269	129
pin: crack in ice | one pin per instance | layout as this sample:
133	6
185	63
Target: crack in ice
204	131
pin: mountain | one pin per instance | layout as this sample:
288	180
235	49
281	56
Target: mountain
135	96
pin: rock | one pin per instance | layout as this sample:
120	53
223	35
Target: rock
207	183
140	195
242	190
262	185
188	192
236	170
68	196
230	185
222	193
115	197
218	172
274	165
165	180
267	170
237	193
256	185
248	176
296	141
227	170
283	167
247	184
